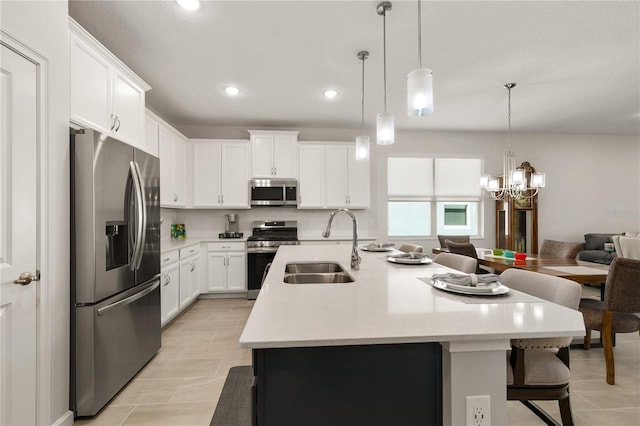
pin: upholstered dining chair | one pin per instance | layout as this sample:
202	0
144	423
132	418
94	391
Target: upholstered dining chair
408	248
455	238
465	249
618	312
560	249
538	369
458	262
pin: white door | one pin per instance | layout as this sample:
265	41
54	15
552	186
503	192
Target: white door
336	157
128	107
18	239
236	271
170	293
262	156
206	174
216	271
235	175
311	182
285	154
359	181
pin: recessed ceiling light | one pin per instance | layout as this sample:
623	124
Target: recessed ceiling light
331	93
232	90
189	4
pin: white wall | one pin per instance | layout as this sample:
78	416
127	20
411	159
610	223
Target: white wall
42	26
581	171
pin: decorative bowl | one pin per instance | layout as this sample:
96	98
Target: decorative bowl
521	256
497	252
510	254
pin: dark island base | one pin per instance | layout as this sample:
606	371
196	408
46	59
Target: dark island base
348	385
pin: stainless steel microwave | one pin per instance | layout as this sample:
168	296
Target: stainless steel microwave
273	192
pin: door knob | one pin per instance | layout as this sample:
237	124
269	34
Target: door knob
25	278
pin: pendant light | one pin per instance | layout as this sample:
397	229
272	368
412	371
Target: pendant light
385	120
362	142
420	82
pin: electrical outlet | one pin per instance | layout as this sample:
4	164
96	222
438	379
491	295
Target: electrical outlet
478	410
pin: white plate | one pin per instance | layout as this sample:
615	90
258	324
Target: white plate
480	288
368	248
498	290
407	261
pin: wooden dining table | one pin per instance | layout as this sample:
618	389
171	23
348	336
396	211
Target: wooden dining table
574	270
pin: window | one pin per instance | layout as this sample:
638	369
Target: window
419	189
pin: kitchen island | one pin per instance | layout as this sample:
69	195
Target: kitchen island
387	307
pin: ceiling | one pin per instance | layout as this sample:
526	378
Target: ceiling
576	64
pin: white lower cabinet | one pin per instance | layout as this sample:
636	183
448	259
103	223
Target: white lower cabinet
170	282
189	285
179	278
226	267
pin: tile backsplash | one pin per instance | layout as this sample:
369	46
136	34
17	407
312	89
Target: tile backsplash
311	223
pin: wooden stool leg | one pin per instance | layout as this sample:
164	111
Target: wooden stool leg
565	412
587	340
607	344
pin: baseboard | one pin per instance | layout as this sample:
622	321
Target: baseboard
65	420
235	295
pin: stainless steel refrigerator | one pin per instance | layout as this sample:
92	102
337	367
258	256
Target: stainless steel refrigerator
115	286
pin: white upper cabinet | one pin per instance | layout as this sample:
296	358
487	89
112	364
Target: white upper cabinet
331	177
220	174
172	149
274	154
151	133
105	94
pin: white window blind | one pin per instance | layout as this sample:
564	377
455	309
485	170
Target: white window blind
457	177
410	177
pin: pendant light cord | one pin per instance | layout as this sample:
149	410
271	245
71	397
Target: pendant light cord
420	33
384	56
363	57
509	117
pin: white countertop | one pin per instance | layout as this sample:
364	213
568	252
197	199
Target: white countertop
387	303
169	244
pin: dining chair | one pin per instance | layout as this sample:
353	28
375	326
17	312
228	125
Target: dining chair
538	369
618	313
466	249
408	248
458	262
455	238
560	249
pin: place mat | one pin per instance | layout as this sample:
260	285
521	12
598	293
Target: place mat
513	296
234	405
577	270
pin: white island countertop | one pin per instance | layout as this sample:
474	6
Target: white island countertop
386	304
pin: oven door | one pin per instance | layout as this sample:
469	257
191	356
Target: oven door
257	261
267	195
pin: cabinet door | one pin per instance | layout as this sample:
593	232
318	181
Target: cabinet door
170	292
185	282
336	176
285	156
128	108
172	168
311	185
358	181
216	271
89	87
237	271
206	174
151	135
234	175
262	156
194	283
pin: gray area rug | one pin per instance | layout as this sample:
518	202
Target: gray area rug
234	405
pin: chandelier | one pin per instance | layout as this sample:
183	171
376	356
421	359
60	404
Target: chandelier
517	182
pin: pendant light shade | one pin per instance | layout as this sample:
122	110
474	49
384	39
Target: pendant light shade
420	92
385	128
420	82
362	142
362	148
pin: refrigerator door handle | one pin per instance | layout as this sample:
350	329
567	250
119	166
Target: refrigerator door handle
128	300
140	217
143	203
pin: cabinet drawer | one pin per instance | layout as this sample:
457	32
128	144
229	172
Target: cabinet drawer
189	251
168	257
235	246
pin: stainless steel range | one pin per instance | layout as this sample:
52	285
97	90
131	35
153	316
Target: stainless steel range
262	246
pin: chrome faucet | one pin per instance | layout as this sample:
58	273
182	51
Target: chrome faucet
355	258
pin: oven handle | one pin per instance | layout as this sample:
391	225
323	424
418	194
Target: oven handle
264	275
262	250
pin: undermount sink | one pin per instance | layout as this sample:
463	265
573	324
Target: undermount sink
316	273
313	268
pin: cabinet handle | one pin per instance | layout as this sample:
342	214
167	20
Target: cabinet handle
227	247
222	199
167	280
193	267
175	197
218	199
113	121
166	259
118	120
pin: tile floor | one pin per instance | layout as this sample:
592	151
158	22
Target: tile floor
182	384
